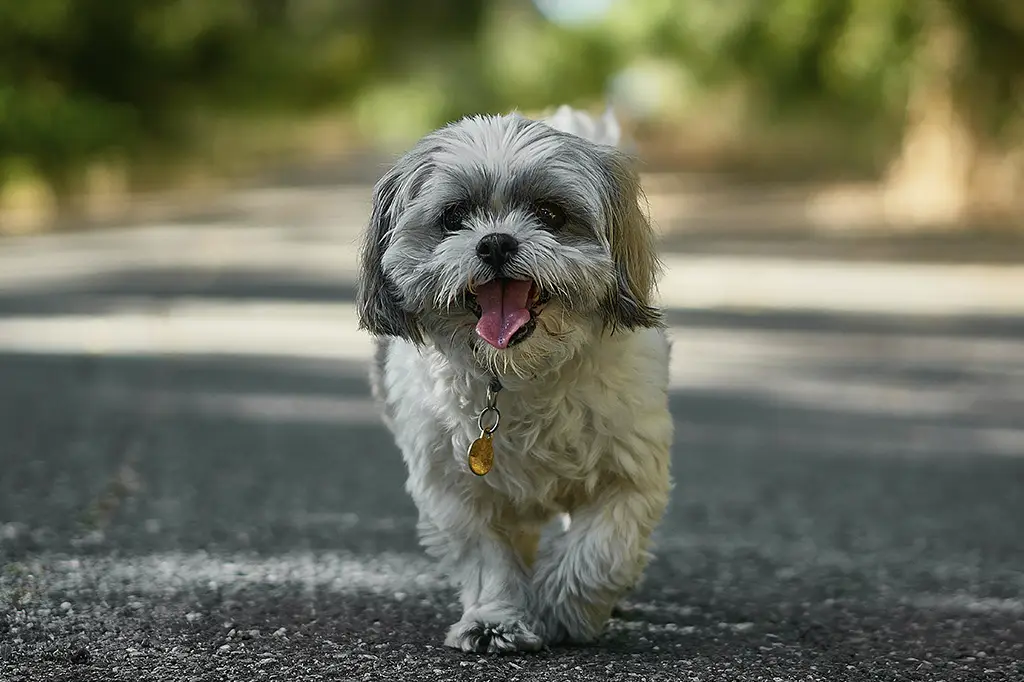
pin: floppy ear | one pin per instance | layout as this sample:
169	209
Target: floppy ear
378	303
633	247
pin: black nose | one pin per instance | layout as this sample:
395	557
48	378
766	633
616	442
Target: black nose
496	249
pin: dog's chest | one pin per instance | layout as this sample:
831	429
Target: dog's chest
596	419
547	444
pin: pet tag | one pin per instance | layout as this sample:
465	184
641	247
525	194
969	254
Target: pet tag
481	454
481	451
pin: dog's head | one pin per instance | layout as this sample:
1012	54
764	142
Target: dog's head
509	242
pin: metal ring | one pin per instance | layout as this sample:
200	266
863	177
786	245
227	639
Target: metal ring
483	414
492	392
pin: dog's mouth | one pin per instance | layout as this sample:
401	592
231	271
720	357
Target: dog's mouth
507	310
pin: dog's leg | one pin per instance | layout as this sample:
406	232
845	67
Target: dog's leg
581	576
484	562
526	540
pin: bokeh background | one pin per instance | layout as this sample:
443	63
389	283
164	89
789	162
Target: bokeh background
917	101
194	480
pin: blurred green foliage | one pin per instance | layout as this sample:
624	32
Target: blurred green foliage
861	58
82	80
126	80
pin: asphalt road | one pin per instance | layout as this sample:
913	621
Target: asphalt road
194	484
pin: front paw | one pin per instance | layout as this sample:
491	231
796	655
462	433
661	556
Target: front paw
481	635
564	624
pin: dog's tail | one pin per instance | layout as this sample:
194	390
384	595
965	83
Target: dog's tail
600	130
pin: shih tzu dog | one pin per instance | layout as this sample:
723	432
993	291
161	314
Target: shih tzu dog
508	273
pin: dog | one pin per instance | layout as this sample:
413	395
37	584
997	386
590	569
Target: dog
508	273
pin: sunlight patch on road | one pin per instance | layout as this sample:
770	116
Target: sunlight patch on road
966	603
263	407
197	327
765	283
389	574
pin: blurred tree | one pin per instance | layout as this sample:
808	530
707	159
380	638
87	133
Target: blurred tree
947	74
964	101
88	80
79	80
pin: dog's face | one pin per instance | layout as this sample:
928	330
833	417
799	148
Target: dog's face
509	244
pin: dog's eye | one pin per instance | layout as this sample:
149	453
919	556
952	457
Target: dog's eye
551	215
454	217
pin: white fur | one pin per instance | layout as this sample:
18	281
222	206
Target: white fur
605	130
589	436
592	439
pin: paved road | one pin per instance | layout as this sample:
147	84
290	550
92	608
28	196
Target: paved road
194	484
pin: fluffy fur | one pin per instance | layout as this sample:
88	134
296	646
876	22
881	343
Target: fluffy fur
585	429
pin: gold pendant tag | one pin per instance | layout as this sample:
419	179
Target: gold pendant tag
481	451
481	454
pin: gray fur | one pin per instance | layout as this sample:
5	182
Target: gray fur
378	302
416	274
378	368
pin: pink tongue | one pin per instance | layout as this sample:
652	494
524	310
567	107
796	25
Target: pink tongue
503	309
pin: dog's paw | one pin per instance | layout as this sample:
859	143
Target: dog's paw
481	636
566	626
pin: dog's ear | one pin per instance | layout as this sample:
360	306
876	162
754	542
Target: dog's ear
378	303
633	246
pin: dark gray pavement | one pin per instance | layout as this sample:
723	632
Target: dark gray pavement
194	486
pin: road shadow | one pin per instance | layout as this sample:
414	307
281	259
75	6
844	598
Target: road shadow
107	292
